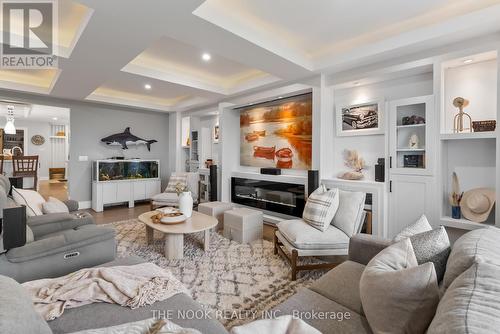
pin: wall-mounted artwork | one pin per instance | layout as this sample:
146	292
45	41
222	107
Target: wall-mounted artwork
360	119
277	133
216	133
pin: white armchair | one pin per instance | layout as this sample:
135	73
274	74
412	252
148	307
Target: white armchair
171	198
300	239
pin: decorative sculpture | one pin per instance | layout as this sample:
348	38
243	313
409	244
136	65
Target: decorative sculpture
413	142
354	161
125	138
458	120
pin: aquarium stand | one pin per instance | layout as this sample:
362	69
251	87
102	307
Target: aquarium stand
124	181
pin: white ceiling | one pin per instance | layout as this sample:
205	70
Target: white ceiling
35	113
110	49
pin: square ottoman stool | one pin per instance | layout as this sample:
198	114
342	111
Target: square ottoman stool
243	225
215	209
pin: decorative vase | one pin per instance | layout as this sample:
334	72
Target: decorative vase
186	203
455	212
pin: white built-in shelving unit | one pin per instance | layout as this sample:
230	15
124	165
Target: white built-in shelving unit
411	169
472	155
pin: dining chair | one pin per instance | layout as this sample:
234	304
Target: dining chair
26	166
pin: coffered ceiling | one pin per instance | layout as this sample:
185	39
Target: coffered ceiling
154	54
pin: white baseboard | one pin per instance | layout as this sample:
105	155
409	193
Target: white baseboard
84	204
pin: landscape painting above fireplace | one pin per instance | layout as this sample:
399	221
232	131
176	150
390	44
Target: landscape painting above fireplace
277	133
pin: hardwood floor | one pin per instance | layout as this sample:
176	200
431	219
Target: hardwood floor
117	213
55	189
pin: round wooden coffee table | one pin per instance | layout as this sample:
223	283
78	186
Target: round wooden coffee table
174	233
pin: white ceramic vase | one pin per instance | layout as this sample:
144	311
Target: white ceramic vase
186	203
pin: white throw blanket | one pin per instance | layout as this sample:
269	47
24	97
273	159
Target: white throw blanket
141	327
282	325
131	286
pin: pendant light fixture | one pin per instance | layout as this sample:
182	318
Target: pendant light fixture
10	128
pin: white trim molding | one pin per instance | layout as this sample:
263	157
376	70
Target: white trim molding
84	205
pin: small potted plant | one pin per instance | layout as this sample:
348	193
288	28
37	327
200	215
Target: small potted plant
185	199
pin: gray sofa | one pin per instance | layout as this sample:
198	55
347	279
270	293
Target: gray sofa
470	304
63	243
18	316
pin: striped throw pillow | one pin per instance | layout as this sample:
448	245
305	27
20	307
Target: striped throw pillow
174	180
321	207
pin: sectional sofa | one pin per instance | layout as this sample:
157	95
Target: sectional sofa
18	316
471	289
470	302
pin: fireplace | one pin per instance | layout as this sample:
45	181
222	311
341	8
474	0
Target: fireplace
280	197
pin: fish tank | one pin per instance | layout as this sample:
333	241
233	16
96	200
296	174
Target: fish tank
116	170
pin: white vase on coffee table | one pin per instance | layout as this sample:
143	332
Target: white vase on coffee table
186	203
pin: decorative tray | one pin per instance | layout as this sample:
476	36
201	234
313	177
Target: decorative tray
168	216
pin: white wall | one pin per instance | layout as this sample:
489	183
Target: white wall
373	146
212	149
475	82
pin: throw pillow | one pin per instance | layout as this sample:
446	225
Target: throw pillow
481	245
432	246
31	199
321	207
398	295
174	180
54	205
17	312
471	303
348	216
420	226
30	237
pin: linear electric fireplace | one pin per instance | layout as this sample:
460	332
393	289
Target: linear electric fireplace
285	198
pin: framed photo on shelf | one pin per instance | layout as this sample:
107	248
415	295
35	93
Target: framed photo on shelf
216	133
360	119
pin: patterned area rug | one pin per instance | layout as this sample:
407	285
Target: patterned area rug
235	280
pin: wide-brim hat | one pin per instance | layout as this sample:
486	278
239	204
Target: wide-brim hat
476	204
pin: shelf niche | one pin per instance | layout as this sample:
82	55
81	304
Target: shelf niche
474	161
475	79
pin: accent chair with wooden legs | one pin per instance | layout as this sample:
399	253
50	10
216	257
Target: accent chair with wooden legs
296	238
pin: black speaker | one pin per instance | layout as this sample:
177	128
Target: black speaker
14	227
271	171
213	183
380	170
312	181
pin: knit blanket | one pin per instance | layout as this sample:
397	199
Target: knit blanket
129	286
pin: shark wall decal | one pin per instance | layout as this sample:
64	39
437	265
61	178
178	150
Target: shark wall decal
125	138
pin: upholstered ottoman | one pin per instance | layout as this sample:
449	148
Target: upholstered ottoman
215	209
243	225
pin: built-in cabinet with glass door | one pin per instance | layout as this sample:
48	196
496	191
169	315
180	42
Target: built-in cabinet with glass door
410	160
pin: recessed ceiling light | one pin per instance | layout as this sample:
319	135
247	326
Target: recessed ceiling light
468	61
206	56
147	86
280	97
54	118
